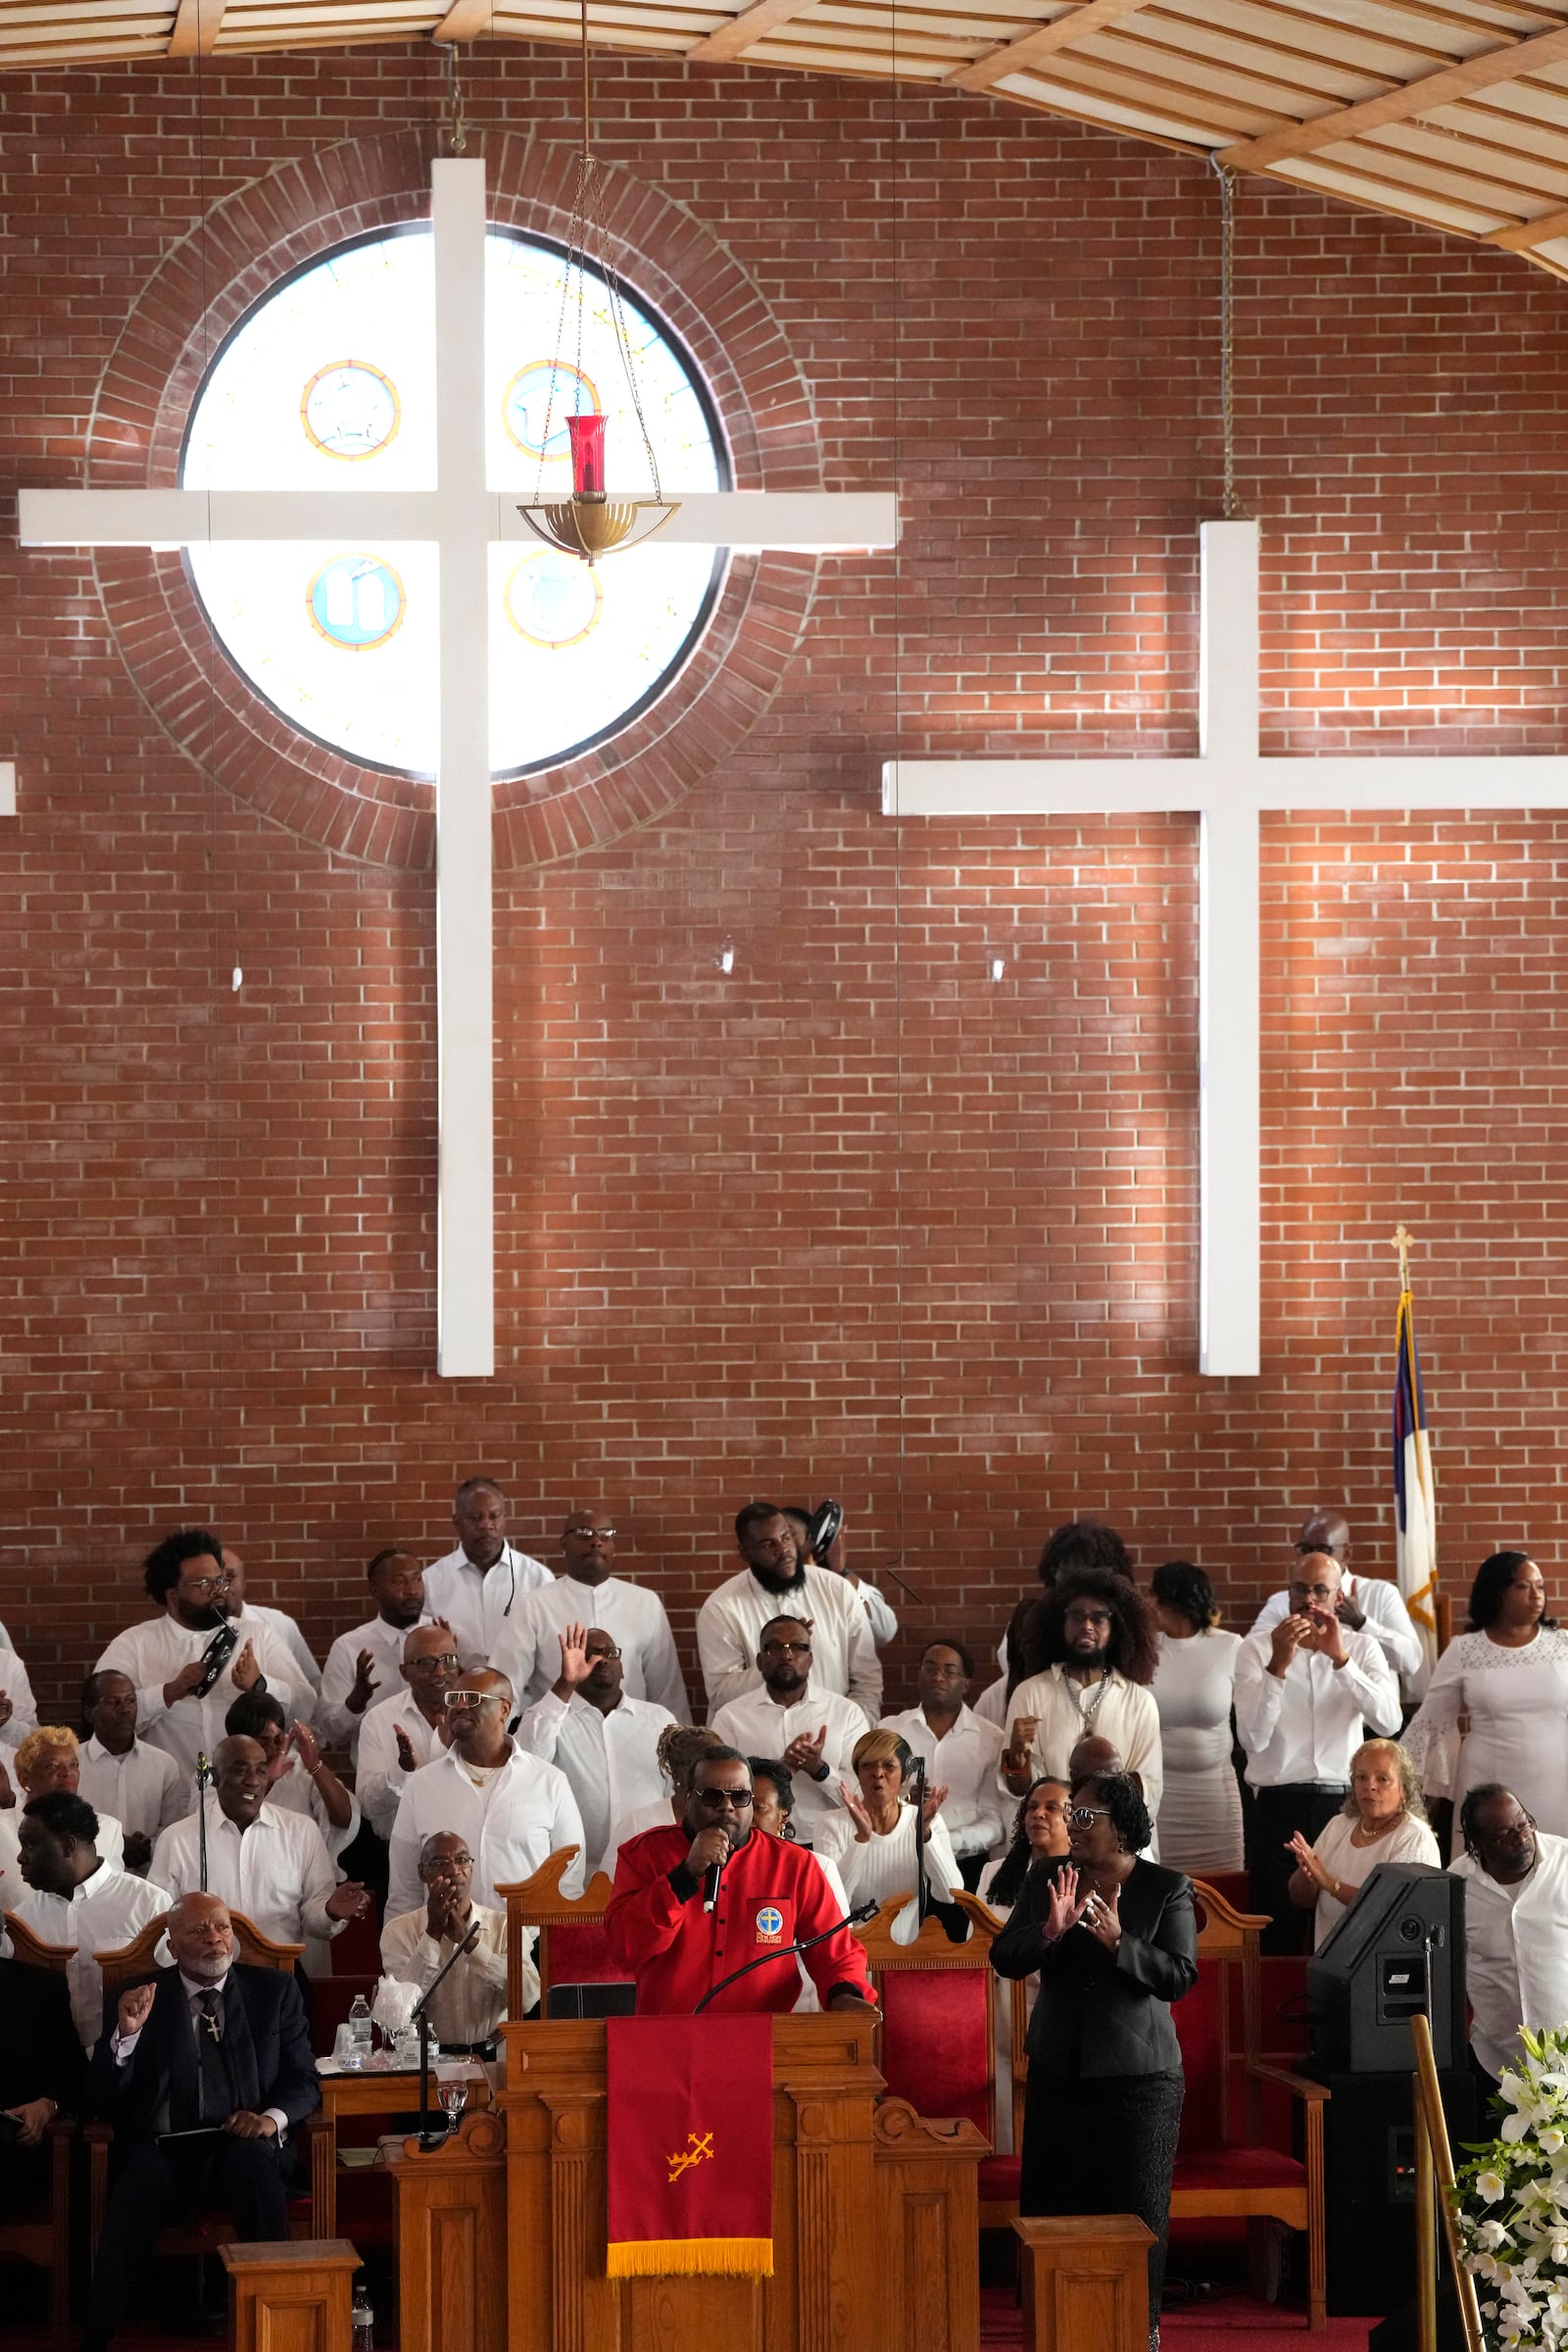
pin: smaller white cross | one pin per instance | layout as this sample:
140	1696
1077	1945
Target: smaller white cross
1226	787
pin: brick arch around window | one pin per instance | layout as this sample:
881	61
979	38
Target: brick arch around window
234	255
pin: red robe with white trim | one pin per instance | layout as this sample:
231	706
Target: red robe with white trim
771	1894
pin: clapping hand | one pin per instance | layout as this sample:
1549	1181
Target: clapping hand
805	1754
307	1747
1286	1640
408	1761
365	1683
7	1710
244	1672
346	1901
1020	1739
1103	1919
1066	1906
1306	1860
932	1802
854	1806
1328	1635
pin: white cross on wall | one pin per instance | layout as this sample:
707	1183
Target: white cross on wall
1227	786
462	516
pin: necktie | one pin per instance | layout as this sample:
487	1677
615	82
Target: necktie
212	2060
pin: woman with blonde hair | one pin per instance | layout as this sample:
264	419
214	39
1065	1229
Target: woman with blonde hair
1382	1820
48	1758
873	1842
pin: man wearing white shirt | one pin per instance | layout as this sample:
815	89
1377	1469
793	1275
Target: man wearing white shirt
267	1863
1373	1604
961	1752
18	1715
1515	1925
605	1743
119	1774
407	1730
527	1645
810	1730
477	1587
730	1621
370	1659
1303	1693
235	1604
512	1812
1093	1636
468	2011
879	1614
78	1899
179	1705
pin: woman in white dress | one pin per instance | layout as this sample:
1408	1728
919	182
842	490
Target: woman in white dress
873	1842
1497	1707
1199	1821
1382	1820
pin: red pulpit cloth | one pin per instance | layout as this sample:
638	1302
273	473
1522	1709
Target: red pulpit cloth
689	2138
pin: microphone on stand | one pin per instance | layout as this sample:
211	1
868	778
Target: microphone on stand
204	1774
791	1951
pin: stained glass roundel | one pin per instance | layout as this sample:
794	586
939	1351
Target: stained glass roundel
340	634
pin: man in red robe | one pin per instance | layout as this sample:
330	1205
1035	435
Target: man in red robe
770	1895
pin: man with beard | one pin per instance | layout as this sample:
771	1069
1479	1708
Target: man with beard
1095	1654
180	1704
770	1895
730	1621
476	1589
370	1659
793	1717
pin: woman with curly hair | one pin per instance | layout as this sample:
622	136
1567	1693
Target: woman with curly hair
1115	1940
1092	1655
1497	1707
1382	1820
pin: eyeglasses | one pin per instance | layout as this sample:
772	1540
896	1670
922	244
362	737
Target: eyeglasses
431	1661
592	1534
441	1862
737	1799
1087	1617
206	1584
786	1649
472	1698
1083	1815
1313	1591
611	1652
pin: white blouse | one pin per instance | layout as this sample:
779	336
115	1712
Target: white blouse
1514	1704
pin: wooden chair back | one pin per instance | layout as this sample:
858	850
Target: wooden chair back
574	1947
937	2044
1223	2013
33	1951
131	1962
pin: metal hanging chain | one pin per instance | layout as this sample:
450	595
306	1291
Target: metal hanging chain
457	122
1232	505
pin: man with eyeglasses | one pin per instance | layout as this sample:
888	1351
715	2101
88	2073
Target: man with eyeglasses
468	2011
1372	1604
512	1811
770	1895
479	1586
605	1743
774	1578
587	1591
180	1703
409	1727
369	1659
1306	1694
794	1717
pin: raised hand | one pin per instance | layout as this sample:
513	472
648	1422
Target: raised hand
1328	1635
934	1800
245	1670
1306	1860
1020	1739
805	1754
365	1683
1066	1906
307	1747
346	1901
7	1710
8	1795
574	1658
854	1807
134	2008
1286	1640
408	1761
278	1764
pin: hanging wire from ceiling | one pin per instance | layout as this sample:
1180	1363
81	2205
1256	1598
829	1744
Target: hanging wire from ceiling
454	119
1232	505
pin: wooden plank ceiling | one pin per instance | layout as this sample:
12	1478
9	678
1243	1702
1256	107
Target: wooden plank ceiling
1450	112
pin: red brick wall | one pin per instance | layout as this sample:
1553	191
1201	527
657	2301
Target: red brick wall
852	1219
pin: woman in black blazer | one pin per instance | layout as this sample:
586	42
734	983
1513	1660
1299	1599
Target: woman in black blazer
1116	1941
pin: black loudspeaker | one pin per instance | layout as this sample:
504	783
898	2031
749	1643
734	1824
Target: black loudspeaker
1369	2185
1397	1951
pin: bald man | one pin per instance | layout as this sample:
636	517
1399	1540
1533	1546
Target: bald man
1372	1604
203	2072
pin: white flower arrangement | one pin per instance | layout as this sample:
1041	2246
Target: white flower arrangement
1511	2204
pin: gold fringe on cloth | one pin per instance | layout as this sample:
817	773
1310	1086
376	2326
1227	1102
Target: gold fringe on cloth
691	2257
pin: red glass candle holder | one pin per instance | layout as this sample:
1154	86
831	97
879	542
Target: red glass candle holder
587	456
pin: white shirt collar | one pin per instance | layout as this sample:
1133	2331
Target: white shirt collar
193	1989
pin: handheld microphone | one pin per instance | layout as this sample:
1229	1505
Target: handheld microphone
710	1877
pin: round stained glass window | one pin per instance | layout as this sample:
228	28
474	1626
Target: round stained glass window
328	383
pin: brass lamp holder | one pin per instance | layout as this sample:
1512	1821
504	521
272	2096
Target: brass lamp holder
591	523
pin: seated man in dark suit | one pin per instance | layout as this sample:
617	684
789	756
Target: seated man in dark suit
203	2074
41	2070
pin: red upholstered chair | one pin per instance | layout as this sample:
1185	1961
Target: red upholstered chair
937	2035
37	2229
573	1946
1225	2165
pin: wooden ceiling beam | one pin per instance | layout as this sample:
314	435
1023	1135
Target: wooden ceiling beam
465	20
752	24
1519	235
197	24
1422	96
1041	40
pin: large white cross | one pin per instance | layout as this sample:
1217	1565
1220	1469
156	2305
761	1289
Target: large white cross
461	516
1226	787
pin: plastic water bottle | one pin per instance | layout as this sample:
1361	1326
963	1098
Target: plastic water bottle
360	2028
363	2320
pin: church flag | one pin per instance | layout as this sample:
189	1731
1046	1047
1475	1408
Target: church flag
689	2145
1414	1517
